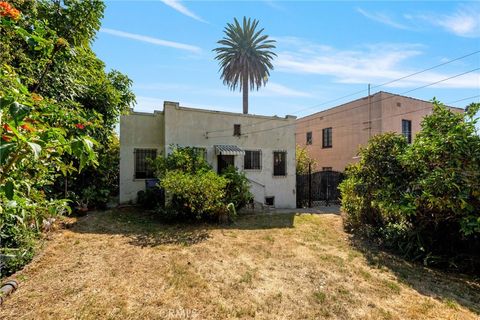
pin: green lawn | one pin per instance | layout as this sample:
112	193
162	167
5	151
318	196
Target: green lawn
124	264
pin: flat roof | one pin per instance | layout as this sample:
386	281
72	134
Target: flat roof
177	106
366	97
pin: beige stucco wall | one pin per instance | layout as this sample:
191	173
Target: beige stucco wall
351	127
137	130
203	128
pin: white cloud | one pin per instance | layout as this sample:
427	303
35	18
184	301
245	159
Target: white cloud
373	64
279	90
382	18
177	5
464	22
155	41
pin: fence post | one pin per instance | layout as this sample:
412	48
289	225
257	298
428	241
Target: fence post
309	185
327	201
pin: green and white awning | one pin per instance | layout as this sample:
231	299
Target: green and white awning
228	150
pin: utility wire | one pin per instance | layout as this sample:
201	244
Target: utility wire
357	92
361	105
463	99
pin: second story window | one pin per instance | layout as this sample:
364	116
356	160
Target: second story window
142	169
252	160
237	130
407	130
309	137
279	163
327	138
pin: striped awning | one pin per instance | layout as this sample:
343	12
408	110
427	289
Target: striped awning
228	150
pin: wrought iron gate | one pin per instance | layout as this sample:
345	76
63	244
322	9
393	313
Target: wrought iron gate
318	189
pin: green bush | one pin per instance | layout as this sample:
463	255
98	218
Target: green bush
237	190
199	195
193	189
152	198
421	199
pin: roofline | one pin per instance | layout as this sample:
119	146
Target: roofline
366	97
248	115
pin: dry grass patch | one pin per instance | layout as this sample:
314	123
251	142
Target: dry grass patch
124	264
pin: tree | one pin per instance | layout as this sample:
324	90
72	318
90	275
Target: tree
245	57
304	160
421	199
58	110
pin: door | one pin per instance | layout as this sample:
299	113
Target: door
224	162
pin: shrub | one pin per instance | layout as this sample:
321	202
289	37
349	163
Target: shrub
237	190
152	198
193	189
421	199
199	195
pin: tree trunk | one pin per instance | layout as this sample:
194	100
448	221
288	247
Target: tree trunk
245	94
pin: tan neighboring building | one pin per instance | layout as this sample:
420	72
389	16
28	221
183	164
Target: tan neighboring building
333	136
261	146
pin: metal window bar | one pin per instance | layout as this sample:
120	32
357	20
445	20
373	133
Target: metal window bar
407	130
142	170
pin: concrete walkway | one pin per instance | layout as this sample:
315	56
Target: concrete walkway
316	210
319	210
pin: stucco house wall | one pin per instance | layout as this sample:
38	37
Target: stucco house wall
353	124
207	129
139	130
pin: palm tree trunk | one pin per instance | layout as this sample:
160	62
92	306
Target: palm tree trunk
245	94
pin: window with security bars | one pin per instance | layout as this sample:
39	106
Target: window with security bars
327	138
279	163
142	169
407	130
309	137
252	160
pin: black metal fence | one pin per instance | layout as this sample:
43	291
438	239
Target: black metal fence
318	189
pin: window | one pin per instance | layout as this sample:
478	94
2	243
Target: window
407	130
309	137
270	201
279	163
327	138
237	130
142	170
252	160
326	168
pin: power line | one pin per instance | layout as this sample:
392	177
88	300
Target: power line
357	92
361	105
468	98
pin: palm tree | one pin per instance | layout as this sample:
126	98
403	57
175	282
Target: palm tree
245	57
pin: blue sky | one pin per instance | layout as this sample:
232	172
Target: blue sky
325	50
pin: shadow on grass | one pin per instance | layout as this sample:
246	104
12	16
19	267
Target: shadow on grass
145	229
449	288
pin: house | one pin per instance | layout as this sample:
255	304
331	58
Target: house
263	147
333	137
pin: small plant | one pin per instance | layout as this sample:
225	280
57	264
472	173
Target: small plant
319	296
